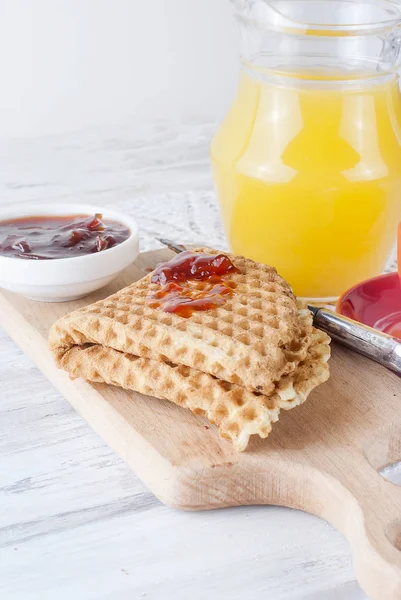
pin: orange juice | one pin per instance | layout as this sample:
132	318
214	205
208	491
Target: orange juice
308	177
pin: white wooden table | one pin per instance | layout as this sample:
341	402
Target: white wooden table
75	523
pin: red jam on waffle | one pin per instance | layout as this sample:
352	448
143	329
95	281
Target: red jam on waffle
192	282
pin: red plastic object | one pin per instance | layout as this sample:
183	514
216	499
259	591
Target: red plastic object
399	250
376	302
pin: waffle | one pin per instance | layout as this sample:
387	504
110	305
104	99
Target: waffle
254	339
238	412
238	364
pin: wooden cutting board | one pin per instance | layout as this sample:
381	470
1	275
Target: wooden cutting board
321	457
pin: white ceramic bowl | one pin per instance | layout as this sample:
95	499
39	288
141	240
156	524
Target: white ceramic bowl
62	279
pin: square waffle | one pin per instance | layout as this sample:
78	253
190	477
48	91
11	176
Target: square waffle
238	364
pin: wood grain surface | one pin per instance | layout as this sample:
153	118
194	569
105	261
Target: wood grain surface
321	457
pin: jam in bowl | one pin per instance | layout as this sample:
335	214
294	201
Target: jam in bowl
61	236
57	253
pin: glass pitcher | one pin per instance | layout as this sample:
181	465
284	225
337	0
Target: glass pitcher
307	163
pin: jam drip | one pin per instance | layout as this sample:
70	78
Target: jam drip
192	282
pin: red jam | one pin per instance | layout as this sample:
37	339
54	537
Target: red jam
190	265
44	238
192	282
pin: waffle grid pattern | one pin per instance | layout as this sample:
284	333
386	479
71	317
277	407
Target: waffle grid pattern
238	364
238	412
252	340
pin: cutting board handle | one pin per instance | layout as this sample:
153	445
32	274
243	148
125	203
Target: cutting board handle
366	508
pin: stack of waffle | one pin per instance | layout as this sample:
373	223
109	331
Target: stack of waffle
237	364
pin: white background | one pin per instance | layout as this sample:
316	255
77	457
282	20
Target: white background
71	64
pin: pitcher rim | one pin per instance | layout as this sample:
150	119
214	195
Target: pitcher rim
297	27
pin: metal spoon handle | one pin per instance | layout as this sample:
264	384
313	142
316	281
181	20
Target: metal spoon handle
374	344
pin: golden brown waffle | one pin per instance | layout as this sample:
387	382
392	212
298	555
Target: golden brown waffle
237	364
238	412
252	340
